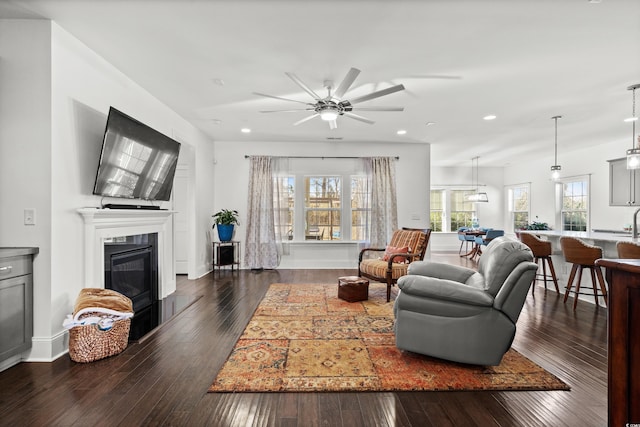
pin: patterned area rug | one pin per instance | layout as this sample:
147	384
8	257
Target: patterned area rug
303	338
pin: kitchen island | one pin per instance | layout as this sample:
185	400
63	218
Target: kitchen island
605	239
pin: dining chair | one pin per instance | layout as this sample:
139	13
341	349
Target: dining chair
486	239
465	239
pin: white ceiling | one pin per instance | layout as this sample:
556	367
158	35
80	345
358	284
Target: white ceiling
524	61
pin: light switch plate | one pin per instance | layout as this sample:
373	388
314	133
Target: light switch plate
29	216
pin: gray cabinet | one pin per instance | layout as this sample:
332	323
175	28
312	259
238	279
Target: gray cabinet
624	184
16	300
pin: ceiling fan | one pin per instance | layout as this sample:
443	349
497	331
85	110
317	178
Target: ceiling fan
328	108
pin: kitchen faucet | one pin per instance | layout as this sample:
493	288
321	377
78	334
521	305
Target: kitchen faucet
635	224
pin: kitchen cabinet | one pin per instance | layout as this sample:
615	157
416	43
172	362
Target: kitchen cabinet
16	300
624	184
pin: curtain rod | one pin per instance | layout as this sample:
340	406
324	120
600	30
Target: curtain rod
246	156
458	185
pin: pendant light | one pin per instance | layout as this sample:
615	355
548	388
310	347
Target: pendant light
477	196
633	154
555	169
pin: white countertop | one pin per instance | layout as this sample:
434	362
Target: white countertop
591	235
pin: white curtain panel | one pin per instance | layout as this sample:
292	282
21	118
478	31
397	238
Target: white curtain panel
261	249
384	207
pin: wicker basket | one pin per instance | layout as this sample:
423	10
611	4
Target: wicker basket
93	342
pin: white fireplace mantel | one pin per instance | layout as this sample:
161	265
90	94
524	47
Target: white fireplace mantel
101	224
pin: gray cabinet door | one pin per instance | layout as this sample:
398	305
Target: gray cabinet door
16	315
624	184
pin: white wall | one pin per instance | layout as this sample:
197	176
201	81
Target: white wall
60	95
25	149
412	174
591	161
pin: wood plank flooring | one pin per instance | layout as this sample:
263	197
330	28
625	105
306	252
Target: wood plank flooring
163	380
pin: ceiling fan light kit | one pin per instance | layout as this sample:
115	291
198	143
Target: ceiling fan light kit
334	104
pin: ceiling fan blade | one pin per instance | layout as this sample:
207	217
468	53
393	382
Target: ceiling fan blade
357	117
306	119
346	82
280	98
303	86
380	108
333	124
287	111
377	94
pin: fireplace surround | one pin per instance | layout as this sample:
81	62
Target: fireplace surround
101	225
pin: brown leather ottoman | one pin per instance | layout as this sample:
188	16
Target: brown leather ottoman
353	288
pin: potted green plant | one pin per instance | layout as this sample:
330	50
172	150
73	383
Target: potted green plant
536	225
226	220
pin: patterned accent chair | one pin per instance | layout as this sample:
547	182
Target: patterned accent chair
407	245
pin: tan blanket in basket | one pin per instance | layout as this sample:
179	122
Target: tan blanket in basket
104	298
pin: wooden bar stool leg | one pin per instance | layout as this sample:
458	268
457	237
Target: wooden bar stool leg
577	292
553	274
602	286
544	273
593	285
535	277
570	282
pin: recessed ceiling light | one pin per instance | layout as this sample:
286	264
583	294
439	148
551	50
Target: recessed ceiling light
631	119
401	132
245	130
490	117
218	82
216	121
430	123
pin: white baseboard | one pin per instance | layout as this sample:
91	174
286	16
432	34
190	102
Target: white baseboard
48	349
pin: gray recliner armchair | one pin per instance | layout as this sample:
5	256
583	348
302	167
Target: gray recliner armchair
459	314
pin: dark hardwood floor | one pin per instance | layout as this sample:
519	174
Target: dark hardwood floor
163	380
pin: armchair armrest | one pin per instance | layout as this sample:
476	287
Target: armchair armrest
368	249
445	290
407	256
440	270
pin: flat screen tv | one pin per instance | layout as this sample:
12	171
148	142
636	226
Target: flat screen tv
136	162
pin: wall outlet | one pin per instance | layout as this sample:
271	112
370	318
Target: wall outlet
29	216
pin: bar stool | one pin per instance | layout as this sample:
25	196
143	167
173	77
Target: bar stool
582	256
541	252
628	250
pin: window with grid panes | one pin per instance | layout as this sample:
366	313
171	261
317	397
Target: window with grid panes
575	197
322	207
360	208
519	206
284	205
437	210
462	211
